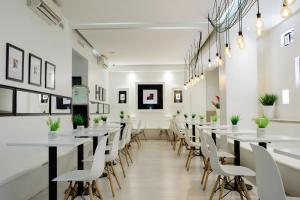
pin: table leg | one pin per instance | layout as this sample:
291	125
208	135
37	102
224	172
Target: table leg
263	144
95	143
52	173
214	137
194	132
122	130
237	159
80	166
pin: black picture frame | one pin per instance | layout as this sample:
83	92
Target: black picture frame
177	96
106	108
9	76
30	58
122	97
156	93
13	103
103	94
47	68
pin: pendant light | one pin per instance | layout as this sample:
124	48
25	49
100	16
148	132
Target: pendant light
285	11
240	38
202	68
289	2
259	22
227	45
209	59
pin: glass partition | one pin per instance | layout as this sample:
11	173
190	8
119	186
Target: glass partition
6	100
60	105
30	103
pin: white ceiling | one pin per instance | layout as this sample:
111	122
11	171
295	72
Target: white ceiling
148	32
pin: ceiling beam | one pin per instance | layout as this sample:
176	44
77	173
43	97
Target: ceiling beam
139	25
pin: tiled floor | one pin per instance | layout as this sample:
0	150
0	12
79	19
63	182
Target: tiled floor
157	174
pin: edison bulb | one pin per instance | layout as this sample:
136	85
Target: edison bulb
202	76
289	2
285	11
227	51
184	86
259	22
217	58
242	45
240	39
220	62
258	32
209	63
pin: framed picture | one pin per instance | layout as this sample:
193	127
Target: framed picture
122	97
100	94
35	70
97	92
103	94
177	96
106	108
150	96
14	63
50	75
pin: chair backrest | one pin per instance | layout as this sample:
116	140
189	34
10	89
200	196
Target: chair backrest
213	156
187	134
99	158
268	179
128	134
115	144
122	142
204	147
178	128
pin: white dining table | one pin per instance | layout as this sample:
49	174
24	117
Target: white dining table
52	148
262	141
293	153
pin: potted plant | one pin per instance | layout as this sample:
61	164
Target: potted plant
201	117
104	119
234	121
185	116
214	120
193	116
122	112
262	124
217	105
53	125
96	121
268	103
122	117
79	122
178	112
174	116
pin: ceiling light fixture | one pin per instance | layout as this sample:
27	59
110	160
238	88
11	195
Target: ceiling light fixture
259	22
285	11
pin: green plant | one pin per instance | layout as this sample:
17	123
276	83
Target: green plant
216	104
214	118
128	116
104	118
201	117
78	120
193	116
262	122
174	116
185	116
268	99
53	125
235	119
121	112
96	120
178	112
121	116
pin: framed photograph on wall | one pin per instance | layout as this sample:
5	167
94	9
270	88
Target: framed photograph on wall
103	94
150	96
14	63
49	75
34	70
177	96
122	97
100	94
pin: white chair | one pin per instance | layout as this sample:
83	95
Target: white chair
88	176
121	150
224	173
192	145
127	140
136	132
222	155
110	158
268	179
179	131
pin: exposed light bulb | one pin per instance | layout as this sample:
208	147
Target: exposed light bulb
220	62
240	41
227	51
259	22
185	86
197	79
217	58
209	63
258	32
289	2
285	11
202	76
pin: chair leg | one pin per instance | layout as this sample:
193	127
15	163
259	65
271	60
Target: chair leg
121	163
126	156
114	174
180	147
187	160
127	151
67	193
204	172
175	141
110	182
98	190
191	157
245	189
91	191
207	174
139	141
222	188
214	188
144	134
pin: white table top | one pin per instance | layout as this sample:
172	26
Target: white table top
89	132
214	127
266	138
45	142
293	153
196	122
238	132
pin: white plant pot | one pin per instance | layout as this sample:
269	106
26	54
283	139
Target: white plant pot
214	124
269	111
201	121
261	132
96	126
235	128
218	112
80	129
52	135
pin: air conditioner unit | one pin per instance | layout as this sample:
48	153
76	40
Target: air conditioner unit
101	60
48	10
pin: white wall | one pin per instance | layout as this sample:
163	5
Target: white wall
212	87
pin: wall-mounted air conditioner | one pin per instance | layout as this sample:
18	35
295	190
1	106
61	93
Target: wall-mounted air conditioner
48	10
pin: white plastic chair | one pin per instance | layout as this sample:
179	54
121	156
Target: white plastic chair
88	176
179	131
224	172
136	132
206	157
122	143
192	146
268	179
127	140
